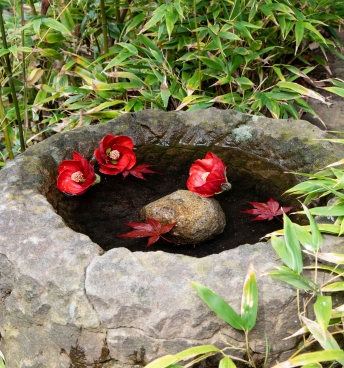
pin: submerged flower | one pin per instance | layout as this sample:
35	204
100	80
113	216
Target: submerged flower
76	176
115	154
208	176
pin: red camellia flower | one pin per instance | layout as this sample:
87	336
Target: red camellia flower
208	176
76	176
115	154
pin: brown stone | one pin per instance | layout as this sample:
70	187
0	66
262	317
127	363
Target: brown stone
197	218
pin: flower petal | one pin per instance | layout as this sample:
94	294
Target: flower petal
70	165
67	185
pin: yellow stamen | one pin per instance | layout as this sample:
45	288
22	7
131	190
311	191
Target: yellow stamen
114	155
78	177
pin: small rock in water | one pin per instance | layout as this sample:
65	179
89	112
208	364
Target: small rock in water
198	218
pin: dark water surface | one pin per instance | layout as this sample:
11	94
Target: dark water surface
102	211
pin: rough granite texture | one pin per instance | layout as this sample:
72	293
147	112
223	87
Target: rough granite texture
65	304
197	218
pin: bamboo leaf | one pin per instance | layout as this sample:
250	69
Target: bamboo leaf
135	22
287	275
4	52
317	238
103	106
292	244
219	306
67	20
162	362
240	26
105	114
322	309
170	17
34	76
336	286
336	258
85	75
36	25
327	211
51	53
54	37
299	30
214	63
121	86
193	83
249	301
310	358
338	312
311	28
57	26
279	245
337	90
313	365
301	90
148	43
197	350
229	36
118	59
158	14
226	362
279	73
129	47
305	238
179	8
325	339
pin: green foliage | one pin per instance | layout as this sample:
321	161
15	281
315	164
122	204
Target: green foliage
249	303
327	319
169	361
247	55
329	181
244	322
310	238
2	360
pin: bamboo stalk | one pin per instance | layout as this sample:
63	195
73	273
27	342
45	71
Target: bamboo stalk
104	26
5	130
198	46
8	71
26	115
124	12
118	13
32	6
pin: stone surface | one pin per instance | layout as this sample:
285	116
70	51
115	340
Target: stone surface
65	304
197	218
332	116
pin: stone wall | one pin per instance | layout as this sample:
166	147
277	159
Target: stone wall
64	303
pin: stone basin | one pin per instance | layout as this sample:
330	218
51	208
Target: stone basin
66	303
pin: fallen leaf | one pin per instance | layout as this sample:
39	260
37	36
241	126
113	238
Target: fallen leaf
153	229
138	170
266	211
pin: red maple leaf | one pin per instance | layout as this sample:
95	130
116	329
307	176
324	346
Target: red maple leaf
267	211
138	170
152	228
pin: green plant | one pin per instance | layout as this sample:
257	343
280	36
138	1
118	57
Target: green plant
289	251
328	320
244	322
2	360
329	181
87	62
